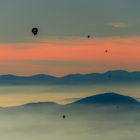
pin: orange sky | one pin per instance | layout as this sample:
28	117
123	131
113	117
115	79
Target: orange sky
70	55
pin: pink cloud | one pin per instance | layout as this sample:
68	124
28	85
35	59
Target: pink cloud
118	25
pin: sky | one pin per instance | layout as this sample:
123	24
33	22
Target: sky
62	47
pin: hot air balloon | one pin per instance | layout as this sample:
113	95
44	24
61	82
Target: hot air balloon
64	116
35	31
106	51
88	36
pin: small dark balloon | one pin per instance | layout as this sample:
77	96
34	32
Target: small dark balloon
106	51
35	31
64	116
88	36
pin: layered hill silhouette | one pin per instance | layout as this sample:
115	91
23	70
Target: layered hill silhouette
105	99
41	104
100	103
110	77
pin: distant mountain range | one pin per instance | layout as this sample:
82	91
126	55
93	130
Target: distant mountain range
41	104
101	103
105	99
118	76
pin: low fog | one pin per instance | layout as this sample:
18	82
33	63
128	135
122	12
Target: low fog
79	124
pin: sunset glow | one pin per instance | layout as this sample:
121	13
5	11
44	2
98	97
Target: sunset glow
73	55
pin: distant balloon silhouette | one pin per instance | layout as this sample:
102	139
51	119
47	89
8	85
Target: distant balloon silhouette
106	51
35	31
88	36
64	116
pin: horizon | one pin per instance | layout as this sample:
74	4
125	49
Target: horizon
13	93
51	102
117	70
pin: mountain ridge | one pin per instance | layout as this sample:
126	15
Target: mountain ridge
98	99
108	99
110	77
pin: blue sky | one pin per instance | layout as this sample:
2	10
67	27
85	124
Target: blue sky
67	18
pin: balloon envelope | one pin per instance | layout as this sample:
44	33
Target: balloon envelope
88	36
106	51
64	116
35	31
